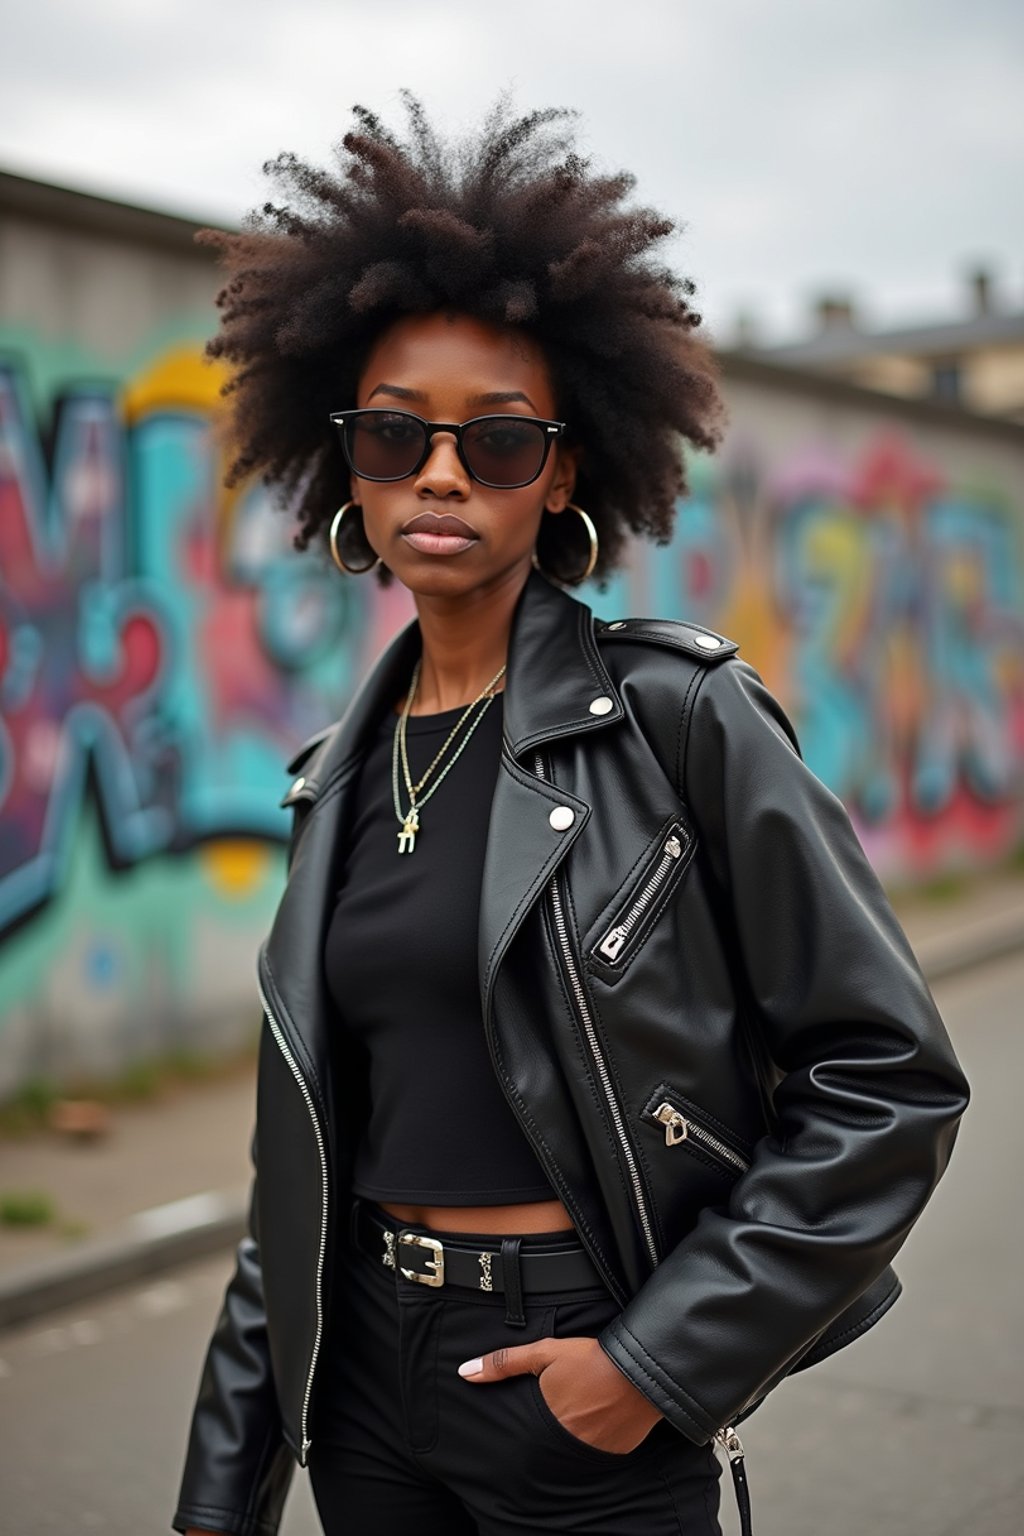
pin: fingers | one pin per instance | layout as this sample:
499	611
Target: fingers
510	1360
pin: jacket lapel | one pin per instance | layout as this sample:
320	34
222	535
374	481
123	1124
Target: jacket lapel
554	675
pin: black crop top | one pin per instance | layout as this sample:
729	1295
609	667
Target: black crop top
401	966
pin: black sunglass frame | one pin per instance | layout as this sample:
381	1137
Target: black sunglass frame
553	430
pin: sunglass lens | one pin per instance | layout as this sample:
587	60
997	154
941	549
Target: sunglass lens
504	450
384	445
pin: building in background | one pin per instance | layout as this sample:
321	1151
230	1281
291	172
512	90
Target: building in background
163	647
977	361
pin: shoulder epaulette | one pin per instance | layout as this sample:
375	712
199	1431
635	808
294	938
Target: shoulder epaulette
300	760
694	639
307	747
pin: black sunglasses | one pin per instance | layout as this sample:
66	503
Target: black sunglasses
504	452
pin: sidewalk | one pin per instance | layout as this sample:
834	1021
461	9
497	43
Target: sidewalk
170	1180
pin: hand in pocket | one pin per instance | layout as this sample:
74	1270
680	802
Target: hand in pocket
583	1389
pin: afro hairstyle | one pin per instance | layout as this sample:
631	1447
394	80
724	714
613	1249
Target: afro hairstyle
510	225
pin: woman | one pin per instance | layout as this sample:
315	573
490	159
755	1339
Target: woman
598	1085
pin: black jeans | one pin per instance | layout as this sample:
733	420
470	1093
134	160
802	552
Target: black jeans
403	1446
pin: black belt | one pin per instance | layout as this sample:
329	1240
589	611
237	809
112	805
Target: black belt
447	1258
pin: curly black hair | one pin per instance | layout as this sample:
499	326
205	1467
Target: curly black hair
511	226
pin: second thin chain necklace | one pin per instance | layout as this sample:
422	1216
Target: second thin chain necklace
410	820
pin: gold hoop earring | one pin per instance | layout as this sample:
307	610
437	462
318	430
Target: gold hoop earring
332	539
574	581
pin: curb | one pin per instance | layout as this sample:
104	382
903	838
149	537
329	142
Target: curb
168	1235
144	1245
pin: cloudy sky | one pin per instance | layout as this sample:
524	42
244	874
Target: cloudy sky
873	149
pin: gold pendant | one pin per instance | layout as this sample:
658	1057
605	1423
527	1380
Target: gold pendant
407	836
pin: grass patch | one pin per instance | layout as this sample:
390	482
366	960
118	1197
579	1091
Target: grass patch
29	1108
140	1080
945	887
26	1208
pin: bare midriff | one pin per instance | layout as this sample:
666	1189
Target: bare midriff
531	1216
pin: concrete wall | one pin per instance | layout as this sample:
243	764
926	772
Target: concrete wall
162	647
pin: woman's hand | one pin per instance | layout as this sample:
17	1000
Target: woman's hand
584	1389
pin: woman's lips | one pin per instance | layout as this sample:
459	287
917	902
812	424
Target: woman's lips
437	543
439	534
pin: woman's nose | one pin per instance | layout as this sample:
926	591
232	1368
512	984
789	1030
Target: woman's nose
444	473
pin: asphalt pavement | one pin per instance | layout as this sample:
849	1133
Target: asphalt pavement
917	1429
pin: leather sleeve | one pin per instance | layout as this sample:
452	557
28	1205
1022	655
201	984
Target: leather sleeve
238	1468
869	1091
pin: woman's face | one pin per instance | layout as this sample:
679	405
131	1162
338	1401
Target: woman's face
451	367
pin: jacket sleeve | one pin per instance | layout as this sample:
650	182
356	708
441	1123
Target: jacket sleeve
238	1468
868	1095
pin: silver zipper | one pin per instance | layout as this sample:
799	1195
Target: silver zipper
595	1047
616	937
290	1059
678	1128
730	1442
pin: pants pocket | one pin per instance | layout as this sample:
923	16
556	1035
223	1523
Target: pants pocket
553	1424
582	1317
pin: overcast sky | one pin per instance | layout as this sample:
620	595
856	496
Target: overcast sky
874	149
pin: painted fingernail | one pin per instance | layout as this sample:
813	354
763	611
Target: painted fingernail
471	1367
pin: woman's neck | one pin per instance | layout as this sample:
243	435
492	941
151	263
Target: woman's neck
464	645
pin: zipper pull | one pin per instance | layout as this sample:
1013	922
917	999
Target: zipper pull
676	1128
731	1443
612	942
673	847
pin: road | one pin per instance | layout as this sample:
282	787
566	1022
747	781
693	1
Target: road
916	1429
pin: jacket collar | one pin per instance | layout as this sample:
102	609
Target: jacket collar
555	672
554	675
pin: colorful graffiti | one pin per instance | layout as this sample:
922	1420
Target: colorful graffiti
885	606
155	636
163	647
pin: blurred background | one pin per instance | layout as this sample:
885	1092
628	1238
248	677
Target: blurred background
847	185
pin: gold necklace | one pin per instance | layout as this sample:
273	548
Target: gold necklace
410	820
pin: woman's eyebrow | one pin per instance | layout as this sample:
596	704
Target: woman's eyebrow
493	397
399	391
502	397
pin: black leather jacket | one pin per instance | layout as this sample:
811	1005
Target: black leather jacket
697	1000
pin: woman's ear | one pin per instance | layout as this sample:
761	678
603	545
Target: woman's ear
564	481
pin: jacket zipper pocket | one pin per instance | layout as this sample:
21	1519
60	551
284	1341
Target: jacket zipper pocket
647	898
682	1122
286	1052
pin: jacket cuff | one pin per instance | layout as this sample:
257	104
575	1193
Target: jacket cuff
626	1351
234	1522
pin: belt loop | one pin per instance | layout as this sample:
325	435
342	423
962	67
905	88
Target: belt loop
512	1281
353	1220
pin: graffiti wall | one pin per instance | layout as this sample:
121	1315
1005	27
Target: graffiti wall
163	648
873	572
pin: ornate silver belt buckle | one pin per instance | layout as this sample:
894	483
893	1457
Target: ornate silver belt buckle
436	1264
